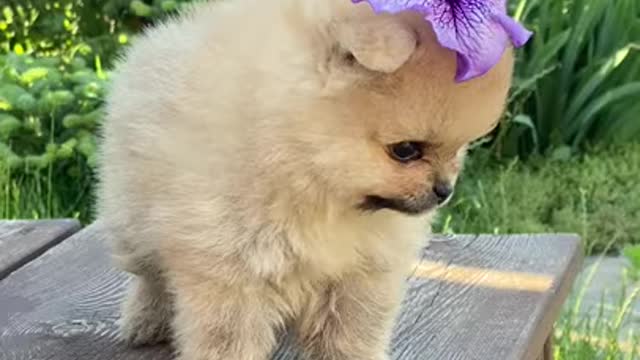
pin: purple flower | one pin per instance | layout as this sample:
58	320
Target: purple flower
477	30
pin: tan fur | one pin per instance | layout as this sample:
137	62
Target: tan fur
238	145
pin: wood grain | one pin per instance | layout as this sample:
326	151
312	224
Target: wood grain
22	241
64	305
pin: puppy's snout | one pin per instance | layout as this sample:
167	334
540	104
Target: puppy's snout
443	191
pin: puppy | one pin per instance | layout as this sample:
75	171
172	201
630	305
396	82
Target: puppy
276	163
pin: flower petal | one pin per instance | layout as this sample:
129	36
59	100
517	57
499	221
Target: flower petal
479	31
518	34
394	6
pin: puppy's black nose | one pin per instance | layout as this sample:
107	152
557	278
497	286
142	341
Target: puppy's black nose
442	191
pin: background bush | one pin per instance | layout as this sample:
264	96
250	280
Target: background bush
53	56
49	111
69	28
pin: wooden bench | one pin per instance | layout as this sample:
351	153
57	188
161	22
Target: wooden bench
471	297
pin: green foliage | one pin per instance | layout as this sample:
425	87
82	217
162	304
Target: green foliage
633	254
72	28
598	333
52	85
49	110
154	9
38	195
578	80
595	195
47	28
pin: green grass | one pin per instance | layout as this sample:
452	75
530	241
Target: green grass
38	195
595	195
600	334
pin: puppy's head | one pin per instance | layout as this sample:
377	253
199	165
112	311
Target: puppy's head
388	126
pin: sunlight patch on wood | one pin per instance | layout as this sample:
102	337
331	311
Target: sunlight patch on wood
506	280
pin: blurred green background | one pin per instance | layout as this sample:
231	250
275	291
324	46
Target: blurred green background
565	158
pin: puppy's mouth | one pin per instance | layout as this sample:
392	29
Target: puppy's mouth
410	206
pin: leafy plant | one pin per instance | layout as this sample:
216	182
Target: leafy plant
70	28
578	80
52	85
49	109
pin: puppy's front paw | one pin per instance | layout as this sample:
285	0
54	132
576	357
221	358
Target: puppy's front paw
146	314
140	330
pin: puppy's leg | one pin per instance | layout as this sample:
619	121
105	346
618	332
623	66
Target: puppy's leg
223	322
355	320
147	312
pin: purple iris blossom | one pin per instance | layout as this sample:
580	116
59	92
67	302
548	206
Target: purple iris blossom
477	30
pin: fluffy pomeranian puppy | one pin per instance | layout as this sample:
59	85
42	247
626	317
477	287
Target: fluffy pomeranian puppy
275	164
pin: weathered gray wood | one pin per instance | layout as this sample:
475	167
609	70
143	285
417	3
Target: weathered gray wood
22	241
472	297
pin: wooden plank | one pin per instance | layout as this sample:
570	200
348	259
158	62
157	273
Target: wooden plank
547	351
468	317
471	297
21	241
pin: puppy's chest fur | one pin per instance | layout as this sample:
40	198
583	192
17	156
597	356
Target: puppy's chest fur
326	250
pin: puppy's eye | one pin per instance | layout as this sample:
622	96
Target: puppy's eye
406	151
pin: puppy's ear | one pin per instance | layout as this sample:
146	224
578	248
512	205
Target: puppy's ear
379	43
